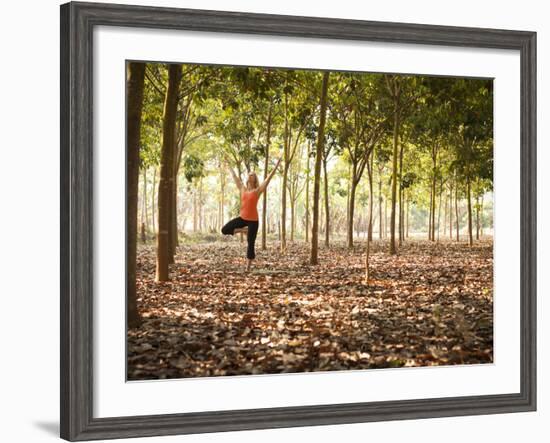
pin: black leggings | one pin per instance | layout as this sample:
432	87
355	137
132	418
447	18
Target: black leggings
236	223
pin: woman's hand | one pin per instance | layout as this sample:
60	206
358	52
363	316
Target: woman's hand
236	179
278	161
225	159
263	186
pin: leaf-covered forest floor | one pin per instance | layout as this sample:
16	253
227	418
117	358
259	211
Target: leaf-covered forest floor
432	304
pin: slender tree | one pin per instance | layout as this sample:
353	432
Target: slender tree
451	209
326	199
394	87
469	198
295	188
359	126
473	108
370	169
400	227
297	115
371	204
314	259
135	86
266	165
307	199
167	172
144	208
153	197
456	214
380	199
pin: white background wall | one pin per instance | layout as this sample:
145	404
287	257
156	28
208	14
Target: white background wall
29	228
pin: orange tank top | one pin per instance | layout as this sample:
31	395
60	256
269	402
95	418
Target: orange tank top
249	201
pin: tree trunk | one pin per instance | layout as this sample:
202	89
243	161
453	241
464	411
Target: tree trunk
347	197
385	218
353	188
201	207
144	212
481	211
470	236
135	86
434	210
166	172
430	215
380	207
327	213
143	235
407	202
439	210
477	217
173	217
371	196
283	209
400	191
371	204
153	196
307	200
321	214
445	209
266	166
401	217
396	124
286	166
221	210
451	211
456	214
195	218
434	193
292	207
314	259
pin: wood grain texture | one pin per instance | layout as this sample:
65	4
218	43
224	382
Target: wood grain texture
77	23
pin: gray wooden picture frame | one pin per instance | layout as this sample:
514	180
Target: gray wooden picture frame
77	23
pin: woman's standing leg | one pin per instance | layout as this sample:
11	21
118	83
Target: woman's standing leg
251	239
231	225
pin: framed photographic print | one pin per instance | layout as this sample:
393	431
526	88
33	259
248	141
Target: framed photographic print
273	221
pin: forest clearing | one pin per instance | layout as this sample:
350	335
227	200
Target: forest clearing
283	220
429	305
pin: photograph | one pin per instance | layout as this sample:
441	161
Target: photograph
284	220
287	219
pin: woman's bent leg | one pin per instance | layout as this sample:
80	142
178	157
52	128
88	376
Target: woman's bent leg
230	226
251	238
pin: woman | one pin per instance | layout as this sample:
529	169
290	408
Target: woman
248	219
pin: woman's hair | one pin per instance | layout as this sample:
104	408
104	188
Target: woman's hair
256	183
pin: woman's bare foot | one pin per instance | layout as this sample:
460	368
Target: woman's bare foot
248	265
241	230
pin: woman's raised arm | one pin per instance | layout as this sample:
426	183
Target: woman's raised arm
263	186
236	178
